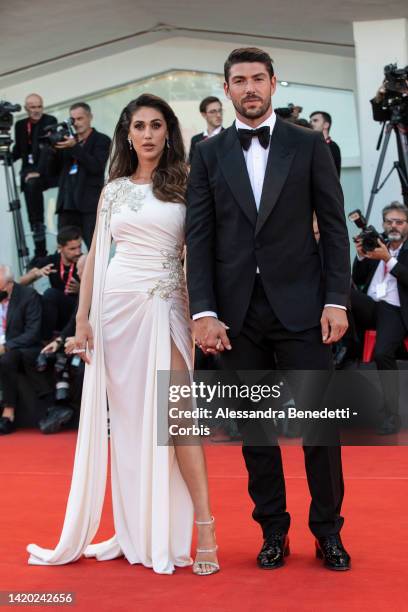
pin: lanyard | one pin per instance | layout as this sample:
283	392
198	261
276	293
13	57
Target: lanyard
70	275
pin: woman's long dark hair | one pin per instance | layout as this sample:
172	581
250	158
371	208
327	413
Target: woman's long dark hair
170	176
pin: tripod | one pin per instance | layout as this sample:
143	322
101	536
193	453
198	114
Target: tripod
401	166
14	206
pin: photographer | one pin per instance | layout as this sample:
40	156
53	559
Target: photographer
59	301
69	371
79	161
20	342
381	303
34	179
321	121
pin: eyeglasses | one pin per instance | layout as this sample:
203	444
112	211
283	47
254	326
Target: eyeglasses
216	111
396	221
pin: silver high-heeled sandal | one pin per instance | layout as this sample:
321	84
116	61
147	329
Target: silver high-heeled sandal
200	564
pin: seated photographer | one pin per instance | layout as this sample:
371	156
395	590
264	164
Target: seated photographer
381	303
79	162
59	301
34	180
69	374
20	342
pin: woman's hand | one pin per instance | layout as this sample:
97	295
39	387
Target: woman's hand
84	343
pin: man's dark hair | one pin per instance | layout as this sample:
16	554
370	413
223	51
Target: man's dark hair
207	101
395	206
326	116
248	54
83	105
68	233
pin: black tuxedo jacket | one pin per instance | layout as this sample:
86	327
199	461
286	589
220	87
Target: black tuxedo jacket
363	272
227	238
23	325
91	158
21	147
194	142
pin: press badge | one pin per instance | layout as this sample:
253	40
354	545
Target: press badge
30	159
381	290
74	169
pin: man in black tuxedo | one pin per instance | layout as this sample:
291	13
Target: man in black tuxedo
381	303
34	179
80	164
20	342
253	265
211	111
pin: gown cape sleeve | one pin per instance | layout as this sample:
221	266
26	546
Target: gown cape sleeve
88	485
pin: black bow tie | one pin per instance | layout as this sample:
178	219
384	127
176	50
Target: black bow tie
246	136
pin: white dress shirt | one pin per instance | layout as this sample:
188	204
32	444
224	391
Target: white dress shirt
213	133
256	158
384	285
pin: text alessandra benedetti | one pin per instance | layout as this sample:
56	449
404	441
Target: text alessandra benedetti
269	413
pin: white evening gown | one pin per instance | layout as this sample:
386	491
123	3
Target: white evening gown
143	308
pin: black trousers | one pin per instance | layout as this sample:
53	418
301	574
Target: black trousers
386	319
33	193
262	340
85	221
11	364
57	310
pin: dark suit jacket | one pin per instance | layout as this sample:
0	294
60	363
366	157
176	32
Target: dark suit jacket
91	158
227	239
336	154
363	272
23	326
21	147
194	142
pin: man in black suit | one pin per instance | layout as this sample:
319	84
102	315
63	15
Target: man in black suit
322	122
381	303
252	261
211	111
34	179
80	164
20	342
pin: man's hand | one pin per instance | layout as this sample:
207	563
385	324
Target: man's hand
73	286
53	346
31	175
334	324
359	246
2	349
67	143
380	253
211	336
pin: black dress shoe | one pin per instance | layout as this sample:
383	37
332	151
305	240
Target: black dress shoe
331	550
390	425
273	552
55	420
7	426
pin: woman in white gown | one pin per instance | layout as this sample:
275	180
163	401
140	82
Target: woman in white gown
138	325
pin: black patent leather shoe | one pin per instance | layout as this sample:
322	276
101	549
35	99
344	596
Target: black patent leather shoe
55	420
7	426
273	552
331	550
390	425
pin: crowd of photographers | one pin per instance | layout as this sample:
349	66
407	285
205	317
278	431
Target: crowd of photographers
36	336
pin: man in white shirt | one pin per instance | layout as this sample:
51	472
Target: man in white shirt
381	303
256	285
211	111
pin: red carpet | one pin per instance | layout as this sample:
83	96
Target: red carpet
34	478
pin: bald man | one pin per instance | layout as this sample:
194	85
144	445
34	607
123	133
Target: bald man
34	181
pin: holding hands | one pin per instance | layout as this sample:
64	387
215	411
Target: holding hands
211	335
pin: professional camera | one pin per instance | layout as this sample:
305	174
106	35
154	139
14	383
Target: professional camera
396	92
58	132
369	235
6	121
62	369
285	112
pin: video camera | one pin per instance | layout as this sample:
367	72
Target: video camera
6	122
285	112
58	132
369	235
396	92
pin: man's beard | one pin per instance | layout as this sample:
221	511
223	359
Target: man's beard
395	236
252	114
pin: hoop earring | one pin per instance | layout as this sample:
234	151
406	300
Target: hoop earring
130	143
